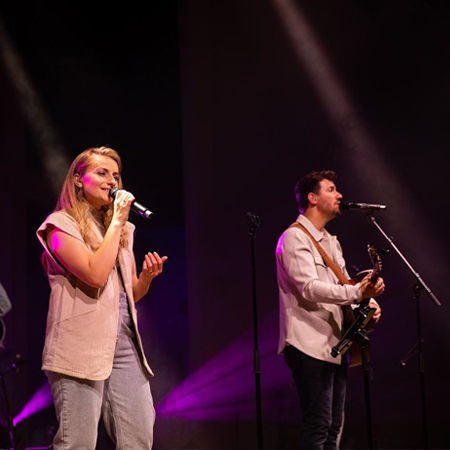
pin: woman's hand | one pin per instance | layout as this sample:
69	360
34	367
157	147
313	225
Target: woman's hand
122	205
151	268
92	269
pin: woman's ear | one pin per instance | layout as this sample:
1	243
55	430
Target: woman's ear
77	180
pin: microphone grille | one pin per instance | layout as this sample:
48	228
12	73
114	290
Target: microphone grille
112	192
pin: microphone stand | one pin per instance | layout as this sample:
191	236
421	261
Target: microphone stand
365	349
14	364
253	224
8	409
418	287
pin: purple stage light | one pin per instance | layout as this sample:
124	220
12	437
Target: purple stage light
224	388
41	399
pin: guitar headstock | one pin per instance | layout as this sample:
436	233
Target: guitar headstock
375	258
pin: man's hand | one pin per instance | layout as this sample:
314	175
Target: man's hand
375	318
377	314
369	289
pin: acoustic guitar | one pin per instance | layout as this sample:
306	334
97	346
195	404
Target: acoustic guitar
357	322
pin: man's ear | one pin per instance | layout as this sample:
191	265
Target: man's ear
77	180
312	198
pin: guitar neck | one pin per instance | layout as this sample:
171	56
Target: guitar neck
364	302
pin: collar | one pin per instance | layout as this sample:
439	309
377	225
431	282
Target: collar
318	235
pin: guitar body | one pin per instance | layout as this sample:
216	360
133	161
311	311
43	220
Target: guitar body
354	321
357	321
362	316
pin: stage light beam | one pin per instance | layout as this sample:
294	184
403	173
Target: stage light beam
374	174
223	388
54	154
41	399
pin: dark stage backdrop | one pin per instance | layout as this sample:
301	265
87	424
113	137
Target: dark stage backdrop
217	109
271	90
73	76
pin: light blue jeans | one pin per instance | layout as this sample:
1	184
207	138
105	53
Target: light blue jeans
124	399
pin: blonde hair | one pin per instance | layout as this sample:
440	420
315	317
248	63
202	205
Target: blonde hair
72	199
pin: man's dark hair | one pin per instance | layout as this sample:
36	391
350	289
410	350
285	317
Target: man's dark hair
311	183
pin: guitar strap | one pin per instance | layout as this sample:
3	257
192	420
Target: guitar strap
328	261
347	310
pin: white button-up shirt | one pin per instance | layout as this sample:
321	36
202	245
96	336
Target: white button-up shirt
311	316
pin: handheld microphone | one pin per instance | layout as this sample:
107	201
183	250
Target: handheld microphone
362	206
135	206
